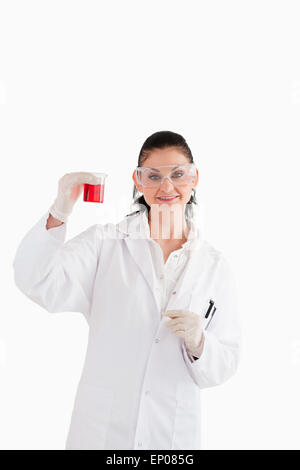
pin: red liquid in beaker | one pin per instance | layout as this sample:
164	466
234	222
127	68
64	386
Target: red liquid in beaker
93	192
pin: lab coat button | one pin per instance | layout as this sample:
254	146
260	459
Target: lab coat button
174	292
157	340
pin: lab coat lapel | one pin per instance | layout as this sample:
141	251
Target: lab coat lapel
140	252
134	230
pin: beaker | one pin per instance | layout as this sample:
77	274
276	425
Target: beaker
95	192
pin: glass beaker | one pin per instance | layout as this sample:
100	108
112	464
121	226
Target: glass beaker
95	192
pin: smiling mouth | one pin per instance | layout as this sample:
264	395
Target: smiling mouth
169	198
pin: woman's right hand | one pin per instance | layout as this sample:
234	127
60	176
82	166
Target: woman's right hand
70	187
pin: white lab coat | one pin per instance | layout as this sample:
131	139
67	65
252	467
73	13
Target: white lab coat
139	388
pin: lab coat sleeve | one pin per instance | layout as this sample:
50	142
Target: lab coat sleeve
220	355
57	275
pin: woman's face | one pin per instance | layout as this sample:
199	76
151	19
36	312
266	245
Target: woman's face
168	156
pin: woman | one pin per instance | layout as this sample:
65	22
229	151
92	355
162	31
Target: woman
159	300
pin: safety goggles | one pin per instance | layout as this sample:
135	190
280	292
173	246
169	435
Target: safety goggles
178	175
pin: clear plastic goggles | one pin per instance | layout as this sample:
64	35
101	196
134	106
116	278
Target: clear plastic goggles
178	175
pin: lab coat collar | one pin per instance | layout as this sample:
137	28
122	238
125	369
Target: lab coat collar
136	227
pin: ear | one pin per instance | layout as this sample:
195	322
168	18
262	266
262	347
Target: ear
194	184
138	186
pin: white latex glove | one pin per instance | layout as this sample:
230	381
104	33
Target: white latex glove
70	187
187	325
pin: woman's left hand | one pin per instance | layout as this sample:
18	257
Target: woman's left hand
187	325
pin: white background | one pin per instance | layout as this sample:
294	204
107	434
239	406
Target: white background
82	85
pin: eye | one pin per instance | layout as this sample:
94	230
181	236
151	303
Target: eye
177	174
153	177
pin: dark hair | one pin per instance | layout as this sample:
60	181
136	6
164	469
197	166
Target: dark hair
161	140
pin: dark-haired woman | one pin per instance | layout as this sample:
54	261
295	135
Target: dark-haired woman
160	302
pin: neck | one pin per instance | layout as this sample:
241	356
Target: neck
167	223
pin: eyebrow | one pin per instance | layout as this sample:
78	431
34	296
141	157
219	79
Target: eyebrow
155	169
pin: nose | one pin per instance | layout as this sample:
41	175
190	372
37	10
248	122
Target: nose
166	184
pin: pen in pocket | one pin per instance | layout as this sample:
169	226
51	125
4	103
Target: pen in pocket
213	312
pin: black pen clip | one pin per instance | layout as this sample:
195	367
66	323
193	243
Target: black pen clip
211	303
